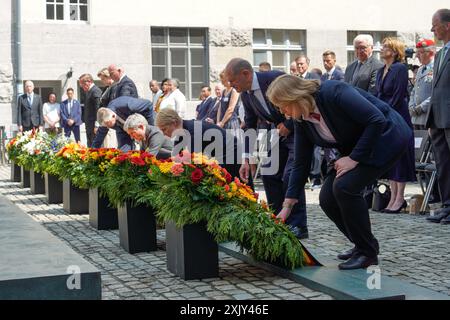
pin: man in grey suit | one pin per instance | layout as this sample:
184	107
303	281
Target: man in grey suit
91	105
29	113
362	72
438	119
150	138
420	99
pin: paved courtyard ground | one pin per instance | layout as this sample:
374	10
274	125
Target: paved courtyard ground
411	249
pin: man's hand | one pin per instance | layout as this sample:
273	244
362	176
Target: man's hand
70	122
244	171
95	130
20	128
209	120
282	130
288	204
343	165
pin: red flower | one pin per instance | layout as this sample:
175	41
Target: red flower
228	177
137	161
197	176
227	188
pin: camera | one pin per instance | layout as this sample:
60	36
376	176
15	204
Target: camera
409	54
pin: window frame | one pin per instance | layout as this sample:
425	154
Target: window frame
167	46
66	12
287	48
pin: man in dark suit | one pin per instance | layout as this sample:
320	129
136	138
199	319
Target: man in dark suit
438	118
71	115
362	72
253	86
332	71
114	117
303	65
29	109
124	85
204	108
91	105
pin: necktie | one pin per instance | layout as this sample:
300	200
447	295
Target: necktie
29	100
69	107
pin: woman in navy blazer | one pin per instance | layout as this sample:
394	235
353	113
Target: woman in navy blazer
392	87
370	137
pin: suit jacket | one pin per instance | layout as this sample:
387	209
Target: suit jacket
336	75
91	105
421	94
30	115
367	74
107	96
75	113
204	108
364	127
156	143
124	107
226	141
125	87
439	111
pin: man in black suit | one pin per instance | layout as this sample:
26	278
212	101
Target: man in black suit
362	72
29	113
124	85
91	105
204	108
438	117
303	65
253	87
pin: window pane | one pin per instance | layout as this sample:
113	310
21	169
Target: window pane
179	57
294	54
178	36
259	36
197	36
50	12
158	36
278	58
294	37
196	88
179	73
159	57
277	37
258	57
83	1
183	89
73	1
197	57
197	74
350	57
73	12
159	73
59	12
83	13
59	1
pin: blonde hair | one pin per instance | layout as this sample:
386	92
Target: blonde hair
291	90
166	117
104	72
397	46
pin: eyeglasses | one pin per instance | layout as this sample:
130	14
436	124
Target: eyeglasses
362	48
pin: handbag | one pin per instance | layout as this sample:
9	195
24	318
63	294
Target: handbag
381	196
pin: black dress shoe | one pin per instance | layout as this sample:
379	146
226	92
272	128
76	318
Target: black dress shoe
299	232
347	254
358	261
403	206
439	215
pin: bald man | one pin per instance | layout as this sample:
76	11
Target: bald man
124	85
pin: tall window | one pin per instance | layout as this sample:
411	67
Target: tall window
378	37
67	10
278	47
180	53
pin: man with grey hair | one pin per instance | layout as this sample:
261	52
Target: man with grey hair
124	85
362	72
116	114
29	109
149	137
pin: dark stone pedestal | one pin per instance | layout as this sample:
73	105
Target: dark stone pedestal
191	251
37	183
101	216
137	228
24	178
53	189
75	200
15	172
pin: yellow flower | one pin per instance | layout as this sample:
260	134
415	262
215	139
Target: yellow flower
165	167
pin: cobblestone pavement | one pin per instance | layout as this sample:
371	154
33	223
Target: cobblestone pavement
144	276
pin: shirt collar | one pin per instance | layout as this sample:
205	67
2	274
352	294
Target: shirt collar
122	77
255	83
303	75
332	70
447	45
91	86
